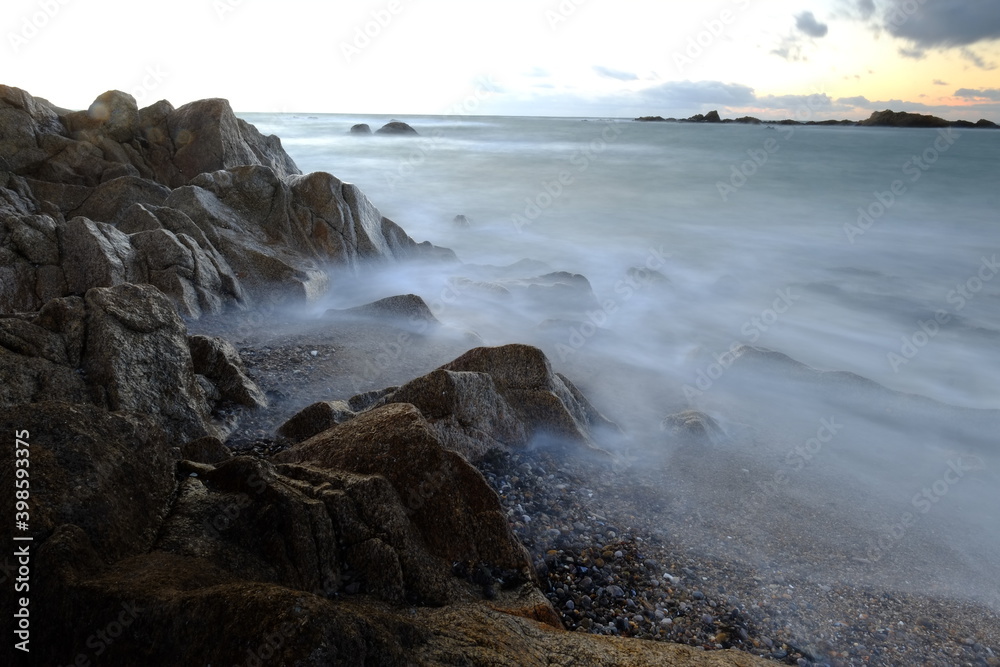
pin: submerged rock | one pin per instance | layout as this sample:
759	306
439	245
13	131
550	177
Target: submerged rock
396	127
361	128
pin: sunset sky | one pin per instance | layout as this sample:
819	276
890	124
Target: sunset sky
811	59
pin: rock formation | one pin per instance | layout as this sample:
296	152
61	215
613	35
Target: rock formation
396	127
192	200
373	540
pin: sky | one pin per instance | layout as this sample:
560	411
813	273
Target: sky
804	59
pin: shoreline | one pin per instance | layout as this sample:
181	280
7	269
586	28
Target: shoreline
783	610
154	348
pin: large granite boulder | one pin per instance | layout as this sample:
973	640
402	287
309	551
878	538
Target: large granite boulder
547	403
490	398
122	348
208	136
448	501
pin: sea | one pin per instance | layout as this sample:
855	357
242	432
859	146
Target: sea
829	296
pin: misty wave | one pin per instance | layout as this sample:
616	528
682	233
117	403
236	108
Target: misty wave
852	371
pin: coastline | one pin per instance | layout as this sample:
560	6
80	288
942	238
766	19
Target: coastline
149	341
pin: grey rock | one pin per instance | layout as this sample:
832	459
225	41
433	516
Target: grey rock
218	360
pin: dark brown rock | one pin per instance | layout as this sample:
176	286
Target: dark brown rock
110	474
208	136
449	502
218	360
465	410
546	402
396	127
315	419
109	200
209	450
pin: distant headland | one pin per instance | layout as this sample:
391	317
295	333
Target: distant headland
885	118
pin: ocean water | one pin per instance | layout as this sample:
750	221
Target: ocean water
867	254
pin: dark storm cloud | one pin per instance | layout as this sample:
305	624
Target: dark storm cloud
941	23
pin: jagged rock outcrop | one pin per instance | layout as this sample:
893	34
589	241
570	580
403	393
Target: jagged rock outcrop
121	348
193	200
315	419
217	360
494	398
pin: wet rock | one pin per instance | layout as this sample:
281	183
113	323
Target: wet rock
448	501
108	474
546	402
465	410
218	360
361	128
692	426
209	450
406	308
315	419
137	356
396	127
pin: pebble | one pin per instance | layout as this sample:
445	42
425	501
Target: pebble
603	580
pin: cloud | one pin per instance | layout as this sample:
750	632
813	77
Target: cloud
691	94
790	48
615	74
866	8
915	54
975	59
983	93
856	101
808	24
939	82
942	23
